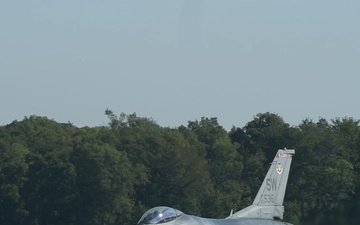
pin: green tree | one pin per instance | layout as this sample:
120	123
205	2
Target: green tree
268	132
13	169
104	185
322	178
225	166
50	193
42	141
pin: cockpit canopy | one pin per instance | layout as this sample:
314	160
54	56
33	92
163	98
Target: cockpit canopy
160	214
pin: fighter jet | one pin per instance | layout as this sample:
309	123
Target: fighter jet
267	208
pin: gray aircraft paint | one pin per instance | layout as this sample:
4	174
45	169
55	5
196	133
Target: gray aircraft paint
268	203
267	206
194	220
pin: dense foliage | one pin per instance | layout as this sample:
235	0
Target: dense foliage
58	174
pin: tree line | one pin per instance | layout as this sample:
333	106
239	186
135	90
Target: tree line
58	174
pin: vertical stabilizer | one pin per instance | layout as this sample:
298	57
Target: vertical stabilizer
268	203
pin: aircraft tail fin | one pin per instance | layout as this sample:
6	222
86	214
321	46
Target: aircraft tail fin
268	203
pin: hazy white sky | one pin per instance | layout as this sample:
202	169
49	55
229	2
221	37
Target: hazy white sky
177	61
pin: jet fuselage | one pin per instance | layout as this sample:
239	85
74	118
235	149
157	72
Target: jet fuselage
194	220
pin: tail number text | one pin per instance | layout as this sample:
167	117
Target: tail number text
267	198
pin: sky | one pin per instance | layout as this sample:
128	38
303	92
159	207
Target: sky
179	60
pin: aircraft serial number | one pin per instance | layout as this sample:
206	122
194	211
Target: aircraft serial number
267	198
